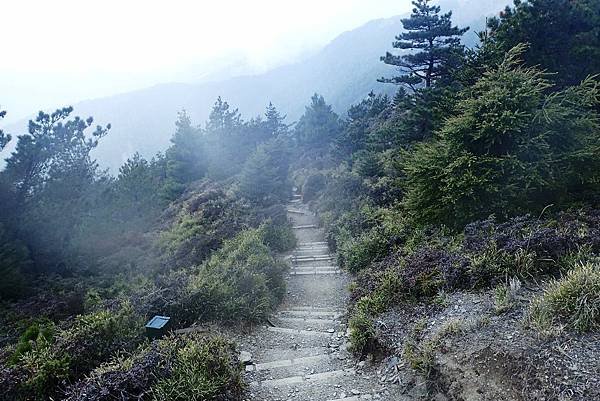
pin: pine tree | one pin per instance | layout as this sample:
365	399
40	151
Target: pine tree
435	39
274	121
564	36
4	138
319	124
186	157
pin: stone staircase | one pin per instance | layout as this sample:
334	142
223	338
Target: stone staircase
302	355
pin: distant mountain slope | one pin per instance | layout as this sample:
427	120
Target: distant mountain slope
344	72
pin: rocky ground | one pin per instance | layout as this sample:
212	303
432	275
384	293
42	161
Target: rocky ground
481	352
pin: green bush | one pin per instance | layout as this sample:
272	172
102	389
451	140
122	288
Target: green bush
73	351
314	184
95	336
573	300
278	237
357	253
14	258
241	281
202	369
512	147
362	334
200	223
35	333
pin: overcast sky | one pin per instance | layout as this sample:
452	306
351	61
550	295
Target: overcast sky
62	51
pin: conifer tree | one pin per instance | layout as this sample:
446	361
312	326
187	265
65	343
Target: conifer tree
274	121
434	38
4	138
186	157
319	124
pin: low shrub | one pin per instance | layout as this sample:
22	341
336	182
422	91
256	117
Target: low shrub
388	233
573	301
72	352
362	334
123	378
314	184
242	281
14	259
202	369
428	270
278	237
190	367
200	223
36	333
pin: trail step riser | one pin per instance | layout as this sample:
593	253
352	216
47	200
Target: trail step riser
317	377
286	363
309	333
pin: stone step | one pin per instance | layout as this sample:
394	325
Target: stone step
304	227
312	258
312	252
313	309
302	379
286	363
309	324
315	273
310	314
320	265
334	385
355	398
309	320
314	243
310	333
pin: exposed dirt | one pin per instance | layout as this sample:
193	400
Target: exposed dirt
486	355
303	355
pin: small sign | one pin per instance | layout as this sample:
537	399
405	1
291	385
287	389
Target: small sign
157	326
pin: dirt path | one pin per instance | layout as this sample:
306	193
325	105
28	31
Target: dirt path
303	355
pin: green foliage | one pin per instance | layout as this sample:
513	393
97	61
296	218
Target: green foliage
358	252
361	119
202	221
264	178
278	237
510	146
313	185
45	368
563	36
318	126
362	334
241	281
186	160
37	333
4	138
203	369
14	259
437	43
48	178
94	337
573	301
50	355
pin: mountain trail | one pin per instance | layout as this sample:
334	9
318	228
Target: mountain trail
303	355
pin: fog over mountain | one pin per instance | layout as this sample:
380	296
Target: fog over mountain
344	72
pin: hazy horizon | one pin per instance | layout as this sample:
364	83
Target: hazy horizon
104	48
65	52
